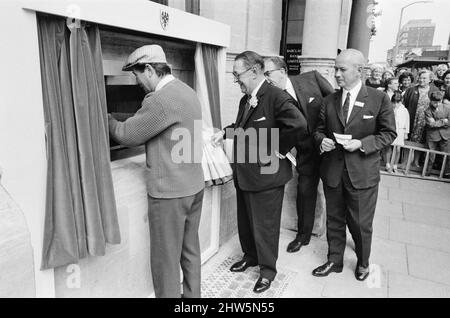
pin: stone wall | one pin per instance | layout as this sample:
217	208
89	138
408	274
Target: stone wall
16	253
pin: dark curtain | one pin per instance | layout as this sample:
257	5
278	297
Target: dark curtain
81	214
210	54
193	6
164	2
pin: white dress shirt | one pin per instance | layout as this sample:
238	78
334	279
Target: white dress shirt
164	82
290	89
353	95
255	91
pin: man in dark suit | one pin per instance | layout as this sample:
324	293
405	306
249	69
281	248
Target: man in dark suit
259	174
350	164
308	89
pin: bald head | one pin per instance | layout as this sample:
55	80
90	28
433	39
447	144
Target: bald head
353	56
349	67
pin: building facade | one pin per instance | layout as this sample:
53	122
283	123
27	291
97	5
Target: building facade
415	37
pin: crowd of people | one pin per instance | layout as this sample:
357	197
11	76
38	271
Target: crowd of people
420	105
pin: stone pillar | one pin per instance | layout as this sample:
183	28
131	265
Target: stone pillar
321	36
319	50
359	32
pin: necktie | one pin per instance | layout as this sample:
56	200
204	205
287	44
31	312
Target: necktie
246	110
345	107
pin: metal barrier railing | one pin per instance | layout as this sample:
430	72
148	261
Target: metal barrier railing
425	172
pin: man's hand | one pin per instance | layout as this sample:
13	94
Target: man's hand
327	145
353	145
279	155
217	138
445	121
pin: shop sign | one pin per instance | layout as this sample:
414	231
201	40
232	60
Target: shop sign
292	58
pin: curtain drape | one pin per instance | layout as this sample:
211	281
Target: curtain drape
216	167
210	62
81	214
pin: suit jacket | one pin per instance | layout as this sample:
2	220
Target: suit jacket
411	99
436	129
275	109
310	89
173	107
373	124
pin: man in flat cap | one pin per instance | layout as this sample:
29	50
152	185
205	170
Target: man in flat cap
175	190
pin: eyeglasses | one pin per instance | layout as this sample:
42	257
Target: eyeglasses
237	76
267	73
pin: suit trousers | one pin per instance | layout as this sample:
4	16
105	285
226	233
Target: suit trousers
354	208
259	218
441	145
306	205
174	241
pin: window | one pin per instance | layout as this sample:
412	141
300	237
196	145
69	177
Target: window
123	95
193	6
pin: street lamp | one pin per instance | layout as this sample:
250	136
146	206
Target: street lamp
400	25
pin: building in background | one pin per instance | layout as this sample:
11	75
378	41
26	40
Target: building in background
415	38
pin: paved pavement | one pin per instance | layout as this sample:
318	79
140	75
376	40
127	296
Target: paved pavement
410	248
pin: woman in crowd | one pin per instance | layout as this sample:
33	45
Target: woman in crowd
446	87
406	79
375	77
417	100
440	72
385	77
391	86
402	128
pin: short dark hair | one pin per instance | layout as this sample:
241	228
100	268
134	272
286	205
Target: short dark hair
251	59
436	96
445	74
447	93
389	81
397	97
277	61
405	75
161	69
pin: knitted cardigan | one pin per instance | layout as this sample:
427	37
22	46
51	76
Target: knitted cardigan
163	116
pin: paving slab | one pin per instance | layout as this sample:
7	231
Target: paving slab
429	264
345	285
433	237
426	215
304	285
404	286
409	184
389	255
425	198
383	193
389	208
381	224
389	181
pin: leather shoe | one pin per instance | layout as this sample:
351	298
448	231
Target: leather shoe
361	273
326	269
295	246
241	266
262	285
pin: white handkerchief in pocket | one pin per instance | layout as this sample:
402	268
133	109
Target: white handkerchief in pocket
260	119
367	117
311	99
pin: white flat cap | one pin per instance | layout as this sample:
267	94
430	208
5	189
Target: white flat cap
145	54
